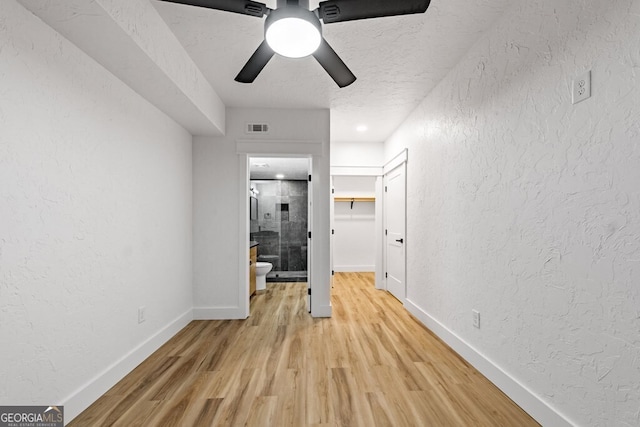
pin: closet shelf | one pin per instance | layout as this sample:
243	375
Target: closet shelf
355	199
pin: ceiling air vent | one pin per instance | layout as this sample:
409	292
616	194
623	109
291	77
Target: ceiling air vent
257	128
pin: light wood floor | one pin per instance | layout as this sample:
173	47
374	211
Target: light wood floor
371	364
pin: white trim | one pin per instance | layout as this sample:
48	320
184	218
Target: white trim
357	170
320	274
87	394
320	311
354	268
310	241
297	147
379	224
379	219
332	226
243	246
520	394
399	159
218	313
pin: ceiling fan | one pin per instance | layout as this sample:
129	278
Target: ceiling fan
292	30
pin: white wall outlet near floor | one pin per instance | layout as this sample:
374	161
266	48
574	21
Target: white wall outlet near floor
476	318
142	314
581	88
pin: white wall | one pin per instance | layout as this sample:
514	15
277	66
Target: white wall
355	228
215	223
527	208
219	211
357	154
95	201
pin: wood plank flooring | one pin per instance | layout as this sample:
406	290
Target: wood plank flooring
371	364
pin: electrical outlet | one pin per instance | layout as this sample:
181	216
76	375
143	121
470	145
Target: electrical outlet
581	88
142	314
476	318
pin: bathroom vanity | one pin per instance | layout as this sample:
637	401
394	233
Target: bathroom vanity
253	259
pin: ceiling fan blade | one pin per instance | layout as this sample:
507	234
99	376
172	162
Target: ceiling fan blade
255	64
245	7
349	10
333	65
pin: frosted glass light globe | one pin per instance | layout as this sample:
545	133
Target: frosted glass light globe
293	37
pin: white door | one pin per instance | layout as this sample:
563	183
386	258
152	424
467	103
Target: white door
332	213
394	202
309	235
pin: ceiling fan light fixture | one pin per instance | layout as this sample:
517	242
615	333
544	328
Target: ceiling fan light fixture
293	32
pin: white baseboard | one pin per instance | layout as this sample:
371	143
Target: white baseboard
320	310
218	313
521	395
82	398
354	268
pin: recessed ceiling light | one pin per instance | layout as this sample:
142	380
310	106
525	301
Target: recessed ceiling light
279	176
362	128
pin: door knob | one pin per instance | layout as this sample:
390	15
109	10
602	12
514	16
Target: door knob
400	240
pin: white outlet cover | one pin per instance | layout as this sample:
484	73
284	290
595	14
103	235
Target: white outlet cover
581	88
476	318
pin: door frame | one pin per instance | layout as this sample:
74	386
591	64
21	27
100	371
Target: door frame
399	160
319	281
377	172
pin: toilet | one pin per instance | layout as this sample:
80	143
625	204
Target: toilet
262	268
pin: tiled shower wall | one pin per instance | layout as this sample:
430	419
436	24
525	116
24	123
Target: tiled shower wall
281	227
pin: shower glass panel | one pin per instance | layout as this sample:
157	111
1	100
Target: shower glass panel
281	227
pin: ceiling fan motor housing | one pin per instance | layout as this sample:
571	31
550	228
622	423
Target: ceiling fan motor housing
292	12
293	31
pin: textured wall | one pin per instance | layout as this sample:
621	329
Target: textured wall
357	154
527	208
130	39
95	208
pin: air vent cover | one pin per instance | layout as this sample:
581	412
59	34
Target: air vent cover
257	128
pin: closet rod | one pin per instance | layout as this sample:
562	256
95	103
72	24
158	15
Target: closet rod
355	199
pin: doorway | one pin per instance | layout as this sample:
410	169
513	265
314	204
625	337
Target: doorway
279	216
354	228
318	263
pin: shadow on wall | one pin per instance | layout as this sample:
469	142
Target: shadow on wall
281	224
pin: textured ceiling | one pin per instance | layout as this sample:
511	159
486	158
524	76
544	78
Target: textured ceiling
397	61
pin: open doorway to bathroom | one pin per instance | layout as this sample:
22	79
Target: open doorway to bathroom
279	216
